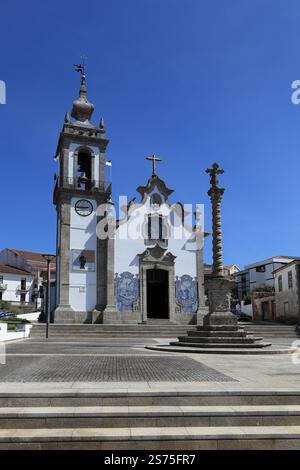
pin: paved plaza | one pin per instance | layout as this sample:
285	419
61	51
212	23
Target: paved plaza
113	393
126	364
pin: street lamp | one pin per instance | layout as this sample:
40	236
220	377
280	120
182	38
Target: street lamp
48	258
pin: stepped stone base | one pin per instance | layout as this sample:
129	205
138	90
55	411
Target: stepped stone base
214	336
195	349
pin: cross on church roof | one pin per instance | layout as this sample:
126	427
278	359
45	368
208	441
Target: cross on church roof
154	159
214	171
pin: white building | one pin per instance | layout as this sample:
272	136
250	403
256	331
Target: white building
287	294
33	263
16	286
259	274
142	270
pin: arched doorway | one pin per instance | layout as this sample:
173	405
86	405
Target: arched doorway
157	293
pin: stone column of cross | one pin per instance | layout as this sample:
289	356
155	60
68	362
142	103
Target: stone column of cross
215	193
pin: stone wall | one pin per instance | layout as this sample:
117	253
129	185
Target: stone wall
263	306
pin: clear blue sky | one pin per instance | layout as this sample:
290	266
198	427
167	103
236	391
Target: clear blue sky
194	81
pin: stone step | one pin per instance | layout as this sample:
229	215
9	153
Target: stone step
117	330
193	437
215	345
223	334
111	397
148	416
105	327
155	334
163	330
219	339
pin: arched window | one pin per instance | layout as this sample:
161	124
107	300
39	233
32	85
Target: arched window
84	169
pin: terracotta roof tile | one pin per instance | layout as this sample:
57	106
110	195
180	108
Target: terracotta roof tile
36	260
10	270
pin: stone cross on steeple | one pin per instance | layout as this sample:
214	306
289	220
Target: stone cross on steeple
154	159
215	193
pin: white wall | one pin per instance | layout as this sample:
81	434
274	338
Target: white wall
83	237
13	281
127	249
284	275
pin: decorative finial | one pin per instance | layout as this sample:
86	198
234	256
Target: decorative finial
101	125
81	67
154	159
67	118
82	109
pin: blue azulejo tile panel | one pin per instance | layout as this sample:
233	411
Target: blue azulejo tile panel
126	291
186	290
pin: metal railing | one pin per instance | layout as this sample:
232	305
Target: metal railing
22	288
82	183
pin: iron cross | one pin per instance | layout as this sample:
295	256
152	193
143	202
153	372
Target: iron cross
214	171
154	159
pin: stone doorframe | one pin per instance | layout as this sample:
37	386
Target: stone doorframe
156	258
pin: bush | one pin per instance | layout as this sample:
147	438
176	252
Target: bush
247	299
4	305
13	321
264	288
7	307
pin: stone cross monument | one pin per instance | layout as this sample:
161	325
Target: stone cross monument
219	286
220	331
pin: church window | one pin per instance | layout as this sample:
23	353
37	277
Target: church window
155	201
157	228
84	170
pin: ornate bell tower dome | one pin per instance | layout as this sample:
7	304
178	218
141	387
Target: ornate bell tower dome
83	267
82	109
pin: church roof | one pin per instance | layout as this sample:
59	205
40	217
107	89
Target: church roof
153	181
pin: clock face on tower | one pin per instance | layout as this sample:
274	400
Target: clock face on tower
83	207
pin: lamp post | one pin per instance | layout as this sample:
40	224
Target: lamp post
48	258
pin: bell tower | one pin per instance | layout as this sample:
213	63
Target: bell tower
83	266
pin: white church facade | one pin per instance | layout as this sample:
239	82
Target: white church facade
145	265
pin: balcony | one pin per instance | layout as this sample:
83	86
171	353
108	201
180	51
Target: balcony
82	184
22	289
3	286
